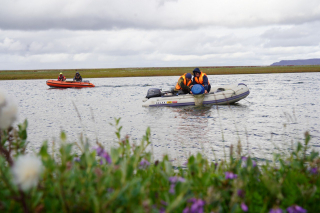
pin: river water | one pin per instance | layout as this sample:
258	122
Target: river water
279	109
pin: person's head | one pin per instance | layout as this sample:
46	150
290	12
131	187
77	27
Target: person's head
188	76
77	73
60	73
196	72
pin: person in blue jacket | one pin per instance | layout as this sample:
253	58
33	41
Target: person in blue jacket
201	78
77	77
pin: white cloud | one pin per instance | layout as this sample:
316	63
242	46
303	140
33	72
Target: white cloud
8	44
301	35
153	14
103	33
81	57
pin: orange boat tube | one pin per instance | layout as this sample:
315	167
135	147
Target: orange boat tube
68	84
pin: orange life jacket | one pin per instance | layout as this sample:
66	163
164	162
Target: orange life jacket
184	82
199	79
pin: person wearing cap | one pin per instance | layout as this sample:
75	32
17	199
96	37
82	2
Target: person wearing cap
183	85
77	77
201	78
61	77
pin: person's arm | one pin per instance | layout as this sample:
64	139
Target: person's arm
205	83
80	78
193	82
183	86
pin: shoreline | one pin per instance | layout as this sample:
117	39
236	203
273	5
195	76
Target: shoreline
151	71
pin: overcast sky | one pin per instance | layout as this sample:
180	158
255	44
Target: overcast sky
62	34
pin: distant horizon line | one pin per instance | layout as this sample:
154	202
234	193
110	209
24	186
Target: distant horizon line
222	66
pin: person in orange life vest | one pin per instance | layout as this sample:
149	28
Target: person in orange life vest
183	85
201	78
61	77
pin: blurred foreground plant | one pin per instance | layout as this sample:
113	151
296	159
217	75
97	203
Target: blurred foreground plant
124	179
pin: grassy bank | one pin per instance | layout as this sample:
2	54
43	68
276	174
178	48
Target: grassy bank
151	71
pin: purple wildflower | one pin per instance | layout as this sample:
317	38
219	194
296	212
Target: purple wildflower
275	210
244	161
254	163
162	210
99	150
230	175
192	200
196	207
314	170
176	179
160	207
172	189
173	180
107	157
186	210
144	163
102	153
180	179
244	207
164	203
241	193
76	159
296	209
244	158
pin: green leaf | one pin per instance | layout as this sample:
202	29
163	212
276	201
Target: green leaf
44	151
299	147
178	201
63	136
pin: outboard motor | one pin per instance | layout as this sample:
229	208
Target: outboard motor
153	92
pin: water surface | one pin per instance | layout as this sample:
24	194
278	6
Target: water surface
279	109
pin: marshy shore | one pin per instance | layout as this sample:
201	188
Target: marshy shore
150	71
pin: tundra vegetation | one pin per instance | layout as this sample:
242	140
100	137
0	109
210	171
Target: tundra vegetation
151	71
125	178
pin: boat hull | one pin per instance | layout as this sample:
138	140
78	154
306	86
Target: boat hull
231	94
68	84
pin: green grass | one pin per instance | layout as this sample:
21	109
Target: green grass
151	71
126	179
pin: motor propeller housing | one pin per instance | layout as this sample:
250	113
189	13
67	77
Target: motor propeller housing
153	92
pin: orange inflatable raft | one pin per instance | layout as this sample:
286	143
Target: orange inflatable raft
68	84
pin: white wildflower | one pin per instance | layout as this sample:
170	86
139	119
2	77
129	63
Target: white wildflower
8	111
26	171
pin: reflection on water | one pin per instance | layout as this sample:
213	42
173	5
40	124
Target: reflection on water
278	110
